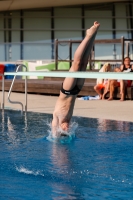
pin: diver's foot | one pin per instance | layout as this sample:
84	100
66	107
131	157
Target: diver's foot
96	24
90	31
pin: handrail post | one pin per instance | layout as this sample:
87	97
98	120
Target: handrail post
90	58
56	54
25	90
26	93
3	92
122	48
70	53
127	48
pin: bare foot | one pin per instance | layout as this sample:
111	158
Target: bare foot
122	97
103	97
96	24
110	99
100	97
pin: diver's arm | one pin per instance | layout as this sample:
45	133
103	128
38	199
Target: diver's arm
55	124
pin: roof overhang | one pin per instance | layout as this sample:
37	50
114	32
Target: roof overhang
6	5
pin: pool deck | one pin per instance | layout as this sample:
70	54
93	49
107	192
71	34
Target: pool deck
103	109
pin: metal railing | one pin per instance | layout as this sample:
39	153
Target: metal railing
3	91
121	41
10	90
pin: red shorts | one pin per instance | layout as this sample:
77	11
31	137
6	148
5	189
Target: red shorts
101	86
127	85
118	84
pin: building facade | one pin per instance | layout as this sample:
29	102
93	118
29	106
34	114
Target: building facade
30	34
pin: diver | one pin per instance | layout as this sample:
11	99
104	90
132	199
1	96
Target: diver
71	86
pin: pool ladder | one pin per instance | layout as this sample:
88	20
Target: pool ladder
10	90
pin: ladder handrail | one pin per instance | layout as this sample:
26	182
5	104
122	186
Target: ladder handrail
17	102
3	92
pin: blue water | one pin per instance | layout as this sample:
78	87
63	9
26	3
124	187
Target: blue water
97	164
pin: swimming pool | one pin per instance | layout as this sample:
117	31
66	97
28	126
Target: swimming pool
97	164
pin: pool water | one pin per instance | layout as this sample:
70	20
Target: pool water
96	164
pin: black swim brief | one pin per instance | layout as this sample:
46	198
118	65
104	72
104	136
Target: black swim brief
74	91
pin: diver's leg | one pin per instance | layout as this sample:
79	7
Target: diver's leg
81	57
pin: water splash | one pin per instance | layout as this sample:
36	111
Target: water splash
24	170
63	136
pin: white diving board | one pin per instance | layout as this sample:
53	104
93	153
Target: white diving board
95	75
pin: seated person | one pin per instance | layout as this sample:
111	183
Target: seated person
116	83
102	83
127	67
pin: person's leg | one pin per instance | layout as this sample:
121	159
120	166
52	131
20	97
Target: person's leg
81	57
122	90
113	84
106	90
98	91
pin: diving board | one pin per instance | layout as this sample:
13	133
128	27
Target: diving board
104	75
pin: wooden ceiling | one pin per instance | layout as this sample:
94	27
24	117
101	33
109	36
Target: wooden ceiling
6	5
